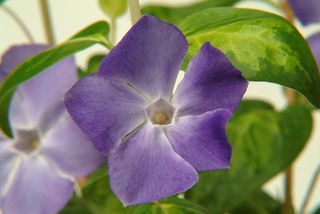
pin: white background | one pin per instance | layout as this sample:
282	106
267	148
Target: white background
69	16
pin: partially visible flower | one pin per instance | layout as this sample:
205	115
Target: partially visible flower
314	42
307	11
48	152
155	141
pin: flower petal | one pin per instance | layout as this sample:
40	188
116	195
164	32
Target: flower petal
17	54
148	57
314	42
37	189
307	11
202	140
145	168
70	150
105	110
211	82
7	161
2	74
41	92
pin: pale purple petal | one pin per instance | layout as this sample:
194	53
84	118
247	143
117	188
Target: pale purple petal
105	110
35	97
307	11
202	140
7	162
69	149
18	53
37	189
2	74
148	57
211	82
314	42
146	168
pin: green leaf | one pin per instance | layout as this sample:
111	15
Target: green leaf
113	8
258	202
248	105
92	65
175	15
94	34
264	143
97	197
263	46
2	1
171	205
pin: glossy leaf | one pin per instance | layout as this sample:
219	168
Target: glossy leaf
263	46
264	143
248	105
171	205
259	202
94	34
175	15
97	197
92	65
113	8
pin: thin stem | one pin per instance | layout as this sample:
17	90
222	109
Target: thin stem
44	7
19	22
271	2
311	189
113	30
134	8
288	205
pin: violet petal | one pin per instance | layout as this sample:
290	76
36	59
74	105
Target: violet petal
202	140
36	96
37	189
105	110
211	82
146	168
307	11
7	161
69	149
148	57
314	42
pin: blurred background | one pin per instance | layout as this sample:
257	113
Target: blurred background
70	16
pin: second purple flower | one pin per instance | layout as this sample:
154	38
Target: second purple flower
155	141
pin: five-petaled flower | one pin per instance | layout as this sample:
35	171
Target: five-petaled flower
155	141
48	152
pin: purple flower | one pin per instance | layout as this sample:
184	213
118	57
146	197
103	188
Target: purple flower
39	166
155	141
314	42
307	11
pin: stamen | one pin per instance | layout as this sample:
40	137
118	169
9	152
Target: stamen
160	118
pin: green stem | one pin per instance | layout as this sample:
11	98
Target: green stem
19	22
311	189
276	5
113	30
134	8
44	7
288	205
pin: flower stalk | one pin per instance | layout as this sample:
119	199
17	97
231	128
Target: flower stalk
311	189
134	8
19	22
47	23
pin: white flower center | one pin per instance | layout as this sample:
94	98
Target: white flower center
26	141
160	112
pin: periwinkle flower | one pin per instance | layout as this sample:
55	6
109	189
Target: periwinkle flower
39	165
155	141
314	42
307	11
